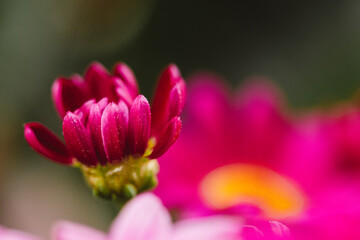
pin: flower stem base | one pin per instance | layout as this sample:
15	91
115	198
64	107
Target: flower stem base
121	182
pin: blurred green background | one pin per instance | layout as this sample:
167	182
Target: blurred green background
311	49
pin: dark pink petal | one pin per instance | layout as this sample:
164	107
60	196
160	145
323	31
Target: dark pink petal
139	125
103	104
123	92
100	83
160	105
127	76
78	140
46	143
177	99
114	124
94	127
169	136
84	110
68	95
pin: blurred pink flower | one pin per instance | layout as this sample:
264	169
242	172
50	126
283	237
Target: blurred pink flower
145	218
330	141
249	129
105	118
334	214
247	155
329	169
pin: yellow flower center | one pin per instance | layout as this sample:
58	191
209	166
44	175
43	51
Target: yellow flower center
239	183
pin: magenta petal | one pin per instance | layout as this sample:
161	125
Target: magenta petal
78	140
279	230
68	95
261	229
252	233
127	76
139	125
100	82
46	143
159	108
169	136
209	108
94	127
260	118
114	124
74	231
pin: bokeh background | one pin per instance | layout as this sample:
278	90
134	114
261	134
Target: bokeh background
310	49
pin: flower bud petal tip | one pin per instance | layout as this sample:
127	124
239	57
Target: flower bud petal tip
68	95
94	127
114	126
169	100
78	140
139	125
125	73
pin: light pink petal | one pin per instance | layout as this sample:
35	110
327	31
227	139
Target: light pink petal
94	127
74	231
78	140
114	127
139	125
127	76
210	228
68	95
143	218
46	143
169	136
11	234
100	82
